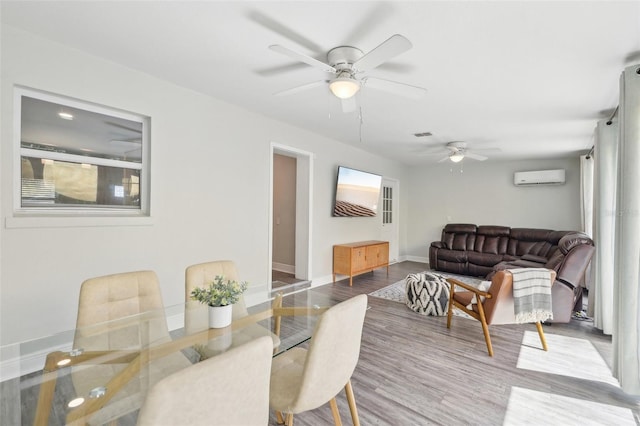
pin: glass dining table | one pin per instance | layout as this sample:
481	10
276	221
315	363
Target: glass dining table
100	374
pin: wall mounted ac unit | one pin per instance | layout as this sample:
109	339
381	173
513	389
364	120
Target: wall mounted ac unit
539	177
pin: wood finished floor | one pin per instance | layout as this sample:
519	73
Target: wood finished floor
414	371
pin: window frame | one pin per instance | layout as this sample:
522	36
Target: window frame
20	211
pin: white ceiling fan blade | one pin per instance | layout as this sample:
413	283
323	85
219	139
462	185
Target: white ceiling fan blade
279	28
302	58
302	88
349	105
391	47
475	156
395	87
442	160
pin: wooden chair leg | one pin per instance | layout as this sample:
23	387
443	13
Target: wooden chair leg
289	421
335	412
450	312
485	329
279	418
543	340
352	404
487	337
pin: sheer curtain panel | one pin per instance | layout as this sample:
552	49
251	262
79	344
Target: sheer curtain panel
626	336
605	156
586	206
586	193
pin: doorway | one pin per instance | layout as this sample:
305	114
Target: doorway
290	224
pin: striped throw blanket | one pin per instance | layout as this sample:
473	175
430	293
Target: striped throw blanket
532	294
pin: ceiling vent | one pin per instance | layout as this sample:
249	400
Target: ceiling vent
539	177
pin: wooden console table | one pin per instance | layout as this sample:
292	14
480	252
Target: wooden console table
357	258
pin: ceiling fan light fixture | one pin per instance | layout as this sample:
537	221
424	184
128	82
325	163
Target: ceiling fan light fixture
456	157
344	87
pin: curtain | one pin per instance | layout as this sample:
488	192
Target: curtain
626	333
604	219
586	193
586	205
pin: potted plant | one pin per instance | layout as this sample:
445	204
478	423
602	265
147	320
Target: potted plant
219	295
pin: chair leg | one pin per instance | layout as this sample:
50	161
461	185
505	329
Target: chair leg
279	418
352	404
487	337
335	412
543	340
450	310
289	421
485	329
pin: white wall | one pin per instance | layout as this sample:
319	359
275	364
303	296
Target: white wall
484	194
209	196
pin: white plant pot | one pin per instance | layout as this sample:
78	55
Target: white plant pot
220	316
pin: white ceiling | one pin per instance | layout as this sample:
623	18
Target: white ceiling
529	78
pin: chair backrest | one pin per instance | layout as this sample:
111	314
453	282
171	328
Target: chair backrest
121	300
498	309
333	353
202	274
118	296
228	389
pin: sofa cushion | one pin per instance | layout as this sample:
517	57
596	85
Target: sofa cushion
452	255
555	260
555	236
492	239
459	236
529	241
534	258
483	259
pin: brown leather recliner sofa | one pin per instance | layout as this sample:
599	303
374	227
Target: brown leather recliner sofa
480	251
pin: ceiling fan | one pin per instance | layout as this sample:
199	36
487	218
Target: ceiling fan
346	63
456	151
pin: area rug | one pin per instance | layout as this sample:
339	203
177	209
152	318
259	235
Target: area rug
396	292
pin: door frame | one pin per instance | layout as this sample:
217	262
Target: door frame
304	208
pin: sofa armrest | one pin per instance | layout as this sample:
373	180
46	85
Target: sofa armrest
438	244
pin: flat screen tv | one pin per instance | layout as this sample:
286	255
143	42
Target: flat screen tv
357	193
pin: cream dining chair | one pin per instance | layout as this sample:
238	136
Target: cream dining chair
226	390
200	275
303	380
121	299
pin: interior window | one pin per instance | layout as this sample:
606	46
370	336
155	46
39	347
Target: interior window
79	156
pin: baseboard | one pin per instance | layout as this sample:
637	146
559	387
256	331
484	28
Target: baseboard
416	259
283	267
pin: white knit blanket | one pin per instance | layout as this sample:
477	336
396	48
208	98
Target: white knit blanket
532	294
